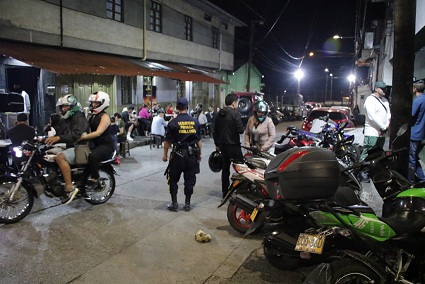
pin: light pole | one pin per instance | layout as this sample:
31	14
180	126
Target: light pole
355	55
299	74
326	86
332	81
251	39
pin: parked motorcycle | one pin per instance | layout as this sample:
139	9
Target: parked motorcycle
366	247
247	188
331	137
40	174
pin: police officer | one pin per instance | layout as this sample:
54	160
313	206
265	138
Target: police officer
184	136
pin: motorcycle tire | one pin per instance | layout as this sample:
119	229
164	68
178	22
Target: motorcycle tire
105	189
15	210
239	218
346	270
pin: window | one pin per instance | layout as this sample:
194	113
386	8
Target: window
155	17
126	90
114	10
188	28
214	37
207	17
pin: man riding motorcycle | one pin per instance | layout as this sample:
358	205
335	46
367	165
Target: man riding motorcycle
72	125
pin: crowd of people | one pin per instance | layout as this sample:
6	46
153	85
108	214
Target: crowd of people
181	130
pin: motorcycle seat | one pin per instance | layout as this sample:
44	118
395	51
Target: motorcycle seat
404	222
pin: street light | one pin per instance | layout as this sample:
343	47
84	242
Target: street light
299	74
332	81
355	55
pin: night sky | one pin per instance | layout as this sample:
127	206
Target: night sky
290	31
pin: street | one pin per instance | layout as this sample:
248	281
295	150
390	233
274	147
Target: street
133	238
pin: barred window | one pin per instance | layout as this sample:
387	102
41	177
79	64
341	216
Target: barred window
126	90
188	28
155	17
114	10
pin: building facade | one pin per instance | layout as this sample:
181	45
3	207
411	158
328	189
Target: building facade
136	51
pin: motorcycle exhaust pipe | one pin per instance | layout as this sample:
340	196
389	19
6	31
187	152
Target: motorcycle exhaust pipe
243	202
277	240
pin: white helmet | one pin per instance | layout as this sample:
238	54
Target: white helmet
68	100
101	97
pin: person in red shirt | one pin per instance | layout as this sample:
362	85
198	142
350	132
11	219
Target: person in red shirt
170	109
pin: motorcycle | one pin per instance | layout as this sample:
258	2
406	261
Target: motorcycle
40	174
365	245
331	137
247	188
248	191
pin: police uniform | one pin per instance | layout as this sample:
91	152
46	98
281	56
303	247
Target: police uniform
183	132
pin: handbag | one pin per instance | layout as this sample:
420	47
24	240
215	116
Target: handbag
82	152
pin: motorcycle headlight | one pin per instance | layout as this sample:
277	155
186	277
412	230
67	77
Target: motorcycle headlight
18	152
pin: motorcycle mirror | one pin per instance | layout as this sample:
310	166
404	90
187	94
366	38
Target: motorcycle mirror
402	129
343	125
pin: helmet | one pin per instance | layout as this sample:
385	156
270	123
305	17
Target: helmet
68	100
214	161
261	106
101	97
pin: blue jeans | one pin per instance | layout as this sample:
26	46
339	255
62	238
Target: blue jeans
415	167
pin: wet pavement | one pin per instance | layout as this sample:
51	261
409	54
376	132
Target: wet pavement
134	239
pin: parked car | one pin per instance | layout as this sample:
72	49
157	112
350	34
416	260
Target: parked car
335	114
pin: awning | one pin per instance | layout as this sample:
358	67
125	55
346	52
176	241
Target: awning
71	61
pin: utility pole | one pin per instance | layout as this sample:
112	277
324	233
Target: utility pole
403	67
251	40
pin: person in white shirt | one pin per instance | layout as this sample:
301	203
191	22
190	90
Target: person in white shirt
203	120
158	126
378	116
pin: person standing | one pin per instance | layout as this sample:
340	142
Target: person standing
184	136
19	133
122	134
260	130
378	116
227	129
417	134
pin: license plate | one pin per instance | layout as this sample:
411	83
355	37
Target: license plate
310	243
253	214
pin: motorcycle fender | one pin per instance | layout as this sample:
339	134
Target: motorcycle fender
279	239
108	166
379	270
259	221
12	178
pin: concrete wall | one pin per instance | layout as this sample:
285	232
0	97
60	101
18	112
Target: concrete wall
85	26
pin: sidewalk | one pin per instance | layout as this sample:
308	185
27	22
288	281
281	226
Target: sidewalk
130	239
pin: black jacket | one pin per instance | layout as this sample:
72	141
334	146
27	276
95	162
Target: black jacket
20	133
70	130
228	127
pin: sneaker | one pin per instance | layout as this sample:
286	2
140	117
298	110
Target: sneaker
186	207
69	196
173	206
129	138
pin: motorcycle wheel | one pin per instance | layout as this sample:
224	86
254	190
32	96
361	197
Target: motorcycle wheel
346	270
107	187
12	211
238	218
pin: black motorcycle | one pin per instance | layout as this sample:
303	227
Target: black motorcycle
40	174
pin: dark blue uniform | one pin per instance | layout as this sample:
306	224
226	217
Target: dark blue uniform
183	132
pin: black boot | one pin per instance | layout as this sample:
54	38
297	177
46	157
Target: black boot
186	206
173	206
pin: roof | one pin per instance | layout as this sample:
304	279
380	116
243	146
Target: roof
71	61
